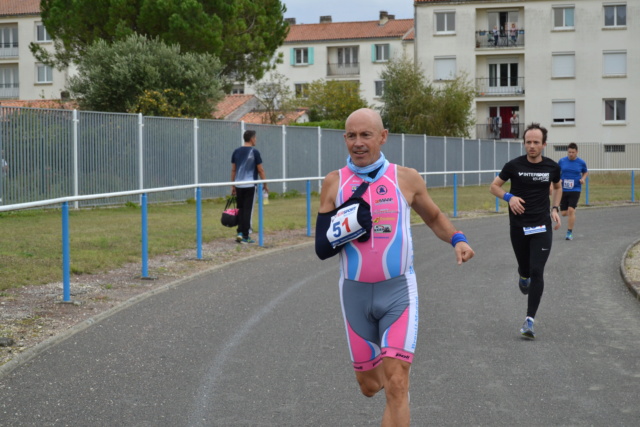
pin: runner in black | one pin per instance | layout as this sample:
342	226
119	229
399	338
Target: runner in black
529	218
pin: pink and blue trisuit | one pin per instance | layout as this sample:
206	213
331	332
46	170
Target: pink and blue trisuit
378	289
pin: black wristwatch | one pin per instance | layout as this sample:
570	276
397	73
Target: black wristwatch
556	208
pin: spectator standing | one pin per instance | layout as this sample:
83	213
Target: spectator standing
246	165
4	171
515	124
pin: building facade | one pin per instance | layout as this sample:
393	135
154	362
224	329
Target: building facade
572	66
21	75
347	51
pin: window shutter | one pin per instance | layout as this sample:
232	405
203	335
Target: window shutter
310	56
389	52
293	56
615	63
373	53
564	65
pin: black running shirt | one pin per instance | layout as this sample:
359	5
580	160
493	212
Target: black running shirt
530	181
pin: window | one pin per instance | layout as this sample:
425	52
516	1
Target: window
380	53
445	68
563	65
379	88
9	77
237	89
302	90
615	15
563	17
348	55
503	75
8	37
615	110
614	63
614	148
302	56
445	22
41	33
563	112
44	74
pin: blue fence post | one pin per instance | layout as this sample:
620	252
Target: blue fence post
633	186
145	242
66	257
455	195
260	217
586	197
199	223
308	208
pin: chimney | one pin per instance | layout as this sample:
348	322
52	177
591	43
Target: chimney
384	17
325	19
291	21
391	17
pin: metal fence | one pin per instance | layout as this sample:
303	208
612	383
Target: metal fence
52	154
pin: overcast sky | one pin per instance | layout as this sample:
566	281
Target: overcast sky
310	11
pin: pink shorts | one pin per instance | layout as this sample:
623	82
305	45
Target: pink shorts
381	319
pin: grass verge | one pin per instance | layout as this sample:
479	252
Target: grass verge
107	238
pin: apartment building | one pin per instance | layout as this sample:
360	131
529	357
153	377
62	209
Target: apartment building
347	51
21	76
572	66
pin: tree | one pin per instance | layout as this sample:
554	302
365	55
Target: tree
243	34
148	76
332	100
274	95
413	105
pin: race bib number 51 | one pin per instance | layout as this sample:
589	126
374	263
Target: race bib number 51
344	226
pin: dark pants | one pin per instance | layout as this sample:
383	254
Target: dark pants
244	199
532	253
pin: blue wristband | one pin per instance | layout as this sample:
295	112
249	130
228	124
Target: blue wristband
458	237
507	197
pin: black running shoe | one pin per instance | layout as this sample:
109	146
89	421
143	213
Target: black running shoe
523	284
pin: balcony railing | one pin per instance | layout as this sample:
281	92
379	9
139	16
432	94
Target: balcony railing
9	90
8	50
343	69
500	86
505	40
503	131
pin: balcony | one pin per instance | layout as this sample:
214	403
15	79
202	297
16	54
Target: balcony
352	69
504	131
8	50
500	86
486	40
9	90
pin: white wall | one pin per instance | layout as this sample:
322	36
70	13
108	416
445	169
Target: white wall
588	40
29	88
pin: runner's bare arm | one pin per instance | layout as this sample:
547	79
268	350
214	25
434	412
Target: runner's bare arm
415	192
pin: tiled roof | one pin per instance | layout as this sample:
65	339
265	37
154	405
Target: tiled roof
260	117
51	104
394	28
443	1
19	7
229	104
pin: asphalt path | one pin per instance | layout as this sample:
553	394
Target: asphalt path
261	343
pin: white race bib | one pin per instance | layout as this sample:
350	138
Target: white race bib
567	183
344	226
534	230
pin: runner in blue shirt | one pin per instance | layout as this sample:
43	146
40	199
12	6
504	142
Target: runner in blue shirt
574	174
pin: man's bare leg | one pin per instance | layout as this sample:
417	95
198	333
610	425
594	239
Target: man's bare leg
396	387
